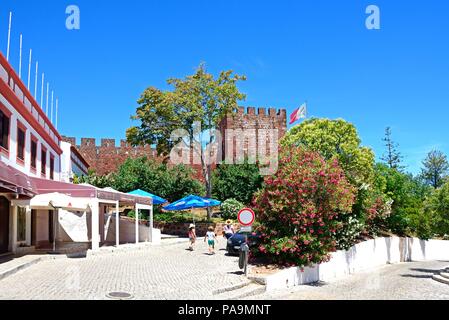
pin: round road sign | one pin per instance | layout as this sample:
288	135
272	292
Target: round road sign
246	217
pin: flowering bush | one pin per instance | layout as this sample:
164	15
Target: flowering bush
299	206
230	209
350	229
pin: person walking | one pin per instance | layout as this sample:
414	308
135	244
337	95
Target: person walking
192	237
228	229
211	238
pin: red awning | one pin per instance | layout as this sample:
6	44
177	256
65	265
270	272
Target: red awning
14	181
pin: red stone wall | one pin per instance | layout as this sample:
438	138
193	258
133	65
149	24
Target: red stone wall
107	156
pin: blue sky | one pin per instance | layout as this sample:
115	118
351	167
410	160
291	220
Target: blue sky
291	51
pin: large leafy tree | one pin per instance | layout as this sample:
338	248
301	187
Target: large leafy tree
392	157
335	138
169	182
407	194
436	167
196	105
339	139
239	182
437	207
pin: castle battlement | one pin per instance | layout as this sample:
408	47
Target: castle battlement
273	113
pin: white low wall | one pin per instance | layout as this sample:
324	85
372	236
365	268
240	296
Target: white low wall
75	228
128	232
365	256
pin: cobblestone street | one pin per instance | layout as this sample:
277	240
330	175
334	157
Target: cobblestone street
160	272
408	281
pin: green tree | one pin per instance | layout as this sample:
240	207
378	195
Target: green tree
437	207
407	195
238	182
338	139
436	167
169	182
93	179
392	156
196	105
335	138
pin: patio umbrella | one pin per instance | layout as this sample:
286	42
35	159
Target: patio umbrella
192	202
156	200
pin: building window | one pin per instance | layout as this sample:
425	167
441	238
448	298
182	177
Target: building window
21	144
4	130
44	162
52	168
33	154
21	224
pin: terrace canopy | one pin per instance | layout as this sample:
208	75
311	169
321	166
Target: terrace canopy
95	197
14	181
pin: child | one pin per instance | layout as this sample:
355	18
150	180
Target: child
192	237
211	238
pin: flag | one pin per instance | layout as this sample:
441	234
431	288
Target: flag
300	113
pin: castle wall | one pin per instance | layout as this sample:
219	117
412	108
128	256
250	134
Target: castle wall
107	156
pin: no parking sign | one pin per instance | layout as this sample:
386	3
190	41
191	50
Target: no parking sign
246	218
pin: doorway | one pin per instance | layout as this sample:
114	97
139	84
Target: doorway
4	225
51	226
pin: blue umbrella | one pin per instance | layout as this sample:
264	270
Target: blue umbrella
192	202
156	200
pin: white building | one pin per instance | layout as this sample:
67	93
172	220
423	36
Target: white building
72	163
35	161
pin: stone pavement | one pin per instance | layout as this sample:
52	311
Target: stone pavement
159	272
407	281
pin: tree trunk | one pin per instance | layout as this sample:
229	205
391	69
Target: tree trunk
209	190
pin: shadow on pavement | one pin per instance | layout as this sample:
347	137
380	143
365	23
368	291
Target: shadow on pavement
433	271
417	276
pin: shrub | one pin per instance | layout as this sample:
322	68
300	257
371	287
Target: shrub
143	214
348	232
230	209
299	207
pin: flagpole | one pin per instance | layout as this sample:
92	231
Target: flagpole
9	36
42	91
46	105
29	69
35	80
20	58
51	112
57	107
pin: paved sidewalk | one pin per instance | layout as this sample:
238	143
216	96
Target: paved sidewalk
406	281
159	272
11	264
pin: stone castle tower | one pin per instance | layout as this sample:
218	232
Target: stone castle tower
107	157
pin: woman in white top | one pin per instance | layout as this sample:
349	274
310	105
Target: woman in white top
228	229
